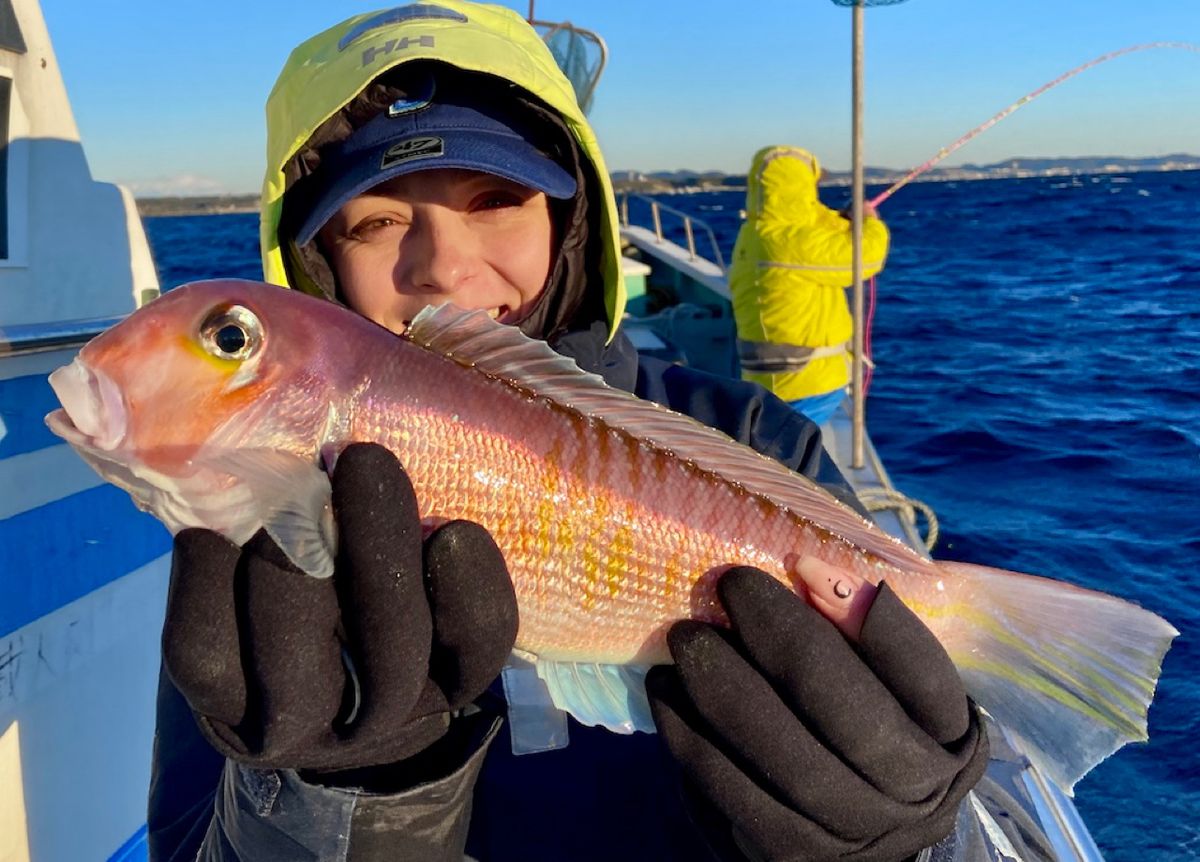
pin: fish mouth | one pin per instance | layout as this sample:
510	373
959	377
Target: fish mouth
93	412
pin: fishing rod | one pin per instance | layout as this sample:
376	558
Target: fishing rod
1024	100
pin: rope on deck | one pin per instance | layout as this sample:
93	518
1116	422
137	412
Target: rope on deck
879	499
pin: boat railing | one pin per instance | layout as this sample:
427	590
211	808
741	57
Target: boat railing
690	225
40	337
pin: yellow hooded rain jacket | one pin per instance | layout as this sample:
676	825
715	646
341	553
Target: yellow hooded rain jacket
326	72
791	264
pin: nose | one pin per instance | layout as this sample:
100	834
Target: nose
439	254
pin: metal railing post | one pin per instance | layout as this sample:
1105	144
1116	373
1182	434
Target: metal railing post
691	240
657	220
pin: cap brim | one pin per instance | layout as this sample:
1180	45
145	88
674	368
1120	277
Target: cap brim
500	155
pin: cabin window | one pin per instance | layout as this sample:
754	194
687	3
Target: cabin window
10	40
10	31
5	99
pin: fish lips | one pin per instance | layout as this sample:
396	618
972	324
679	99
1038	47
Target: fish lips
93	412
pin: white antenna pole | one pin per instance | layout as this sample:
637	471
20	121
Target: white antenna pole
856	387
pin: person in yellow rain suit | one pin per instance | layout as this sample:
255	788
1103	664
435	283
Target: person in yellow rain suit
791	264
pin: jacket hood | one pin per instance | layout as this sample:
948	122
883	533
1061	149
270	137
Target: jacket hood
326	72
782	184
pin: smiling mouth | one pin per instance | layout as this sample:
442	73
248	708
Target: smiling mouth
499	313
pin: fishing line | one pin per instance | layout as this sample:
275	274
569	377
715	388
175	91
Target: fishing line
1024	100
870	364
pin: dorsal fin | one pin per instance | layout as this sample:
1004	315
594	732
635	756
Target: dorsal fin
474	340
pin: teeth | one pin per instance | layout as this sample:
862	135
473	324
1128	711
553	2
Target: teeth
493	313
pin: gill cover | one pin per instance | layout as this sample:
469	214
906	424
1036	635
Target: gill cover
326	72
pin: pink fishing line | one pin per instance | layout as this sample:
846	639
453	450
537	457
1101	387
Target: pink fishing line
945	151
868	371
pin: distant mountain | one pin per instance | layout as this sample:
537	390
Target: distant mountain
1087	164
681	177
197	205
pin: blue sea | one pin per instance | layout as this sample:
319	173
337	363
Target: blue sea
1038	384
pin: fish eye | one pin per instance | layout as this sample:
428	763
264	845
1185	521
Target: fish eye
230	338
233	332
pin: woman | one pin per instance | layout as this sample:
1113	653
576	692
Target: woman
430	154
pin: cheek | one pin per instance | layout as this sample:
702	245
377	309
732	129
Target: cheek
526	259
168	425
365	279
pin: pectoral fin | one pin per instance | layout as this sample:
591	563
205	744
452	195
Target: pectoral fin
293	499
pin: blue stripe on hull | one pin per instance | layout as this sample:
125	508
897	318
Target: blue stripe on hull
133	850
24	403
57	553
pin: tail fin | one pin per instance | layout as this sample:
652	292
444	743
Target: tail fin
1070	671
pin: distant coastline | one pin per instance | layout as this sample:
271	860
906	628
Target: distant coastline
198	205
675	182
682	182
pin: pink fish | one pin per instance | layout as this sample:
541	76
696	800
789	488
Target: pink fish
213	405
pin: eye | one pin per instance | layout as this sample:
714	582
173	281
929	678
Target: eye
233	333
230	338
373	227
498	199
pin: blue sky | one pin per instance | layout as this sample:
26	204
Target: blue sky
168	94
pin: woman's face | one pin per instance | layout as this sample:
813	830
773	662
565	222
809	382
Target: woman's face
441	235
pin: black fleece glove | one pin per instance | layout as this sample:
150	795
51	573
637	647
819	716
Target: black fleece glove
796	745
256	646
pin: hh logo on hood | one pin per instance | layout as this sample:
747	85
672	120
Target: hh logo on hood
413	148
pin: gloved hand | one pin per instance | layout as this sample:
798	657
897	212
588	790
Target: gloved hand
256	646
847	212
796	744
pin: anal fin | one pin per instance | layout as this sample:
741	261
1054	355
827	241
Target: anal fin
541	694
612	696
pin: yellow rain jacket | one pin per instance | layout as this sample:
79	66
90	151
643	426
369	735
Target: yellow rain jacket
791	263
326	72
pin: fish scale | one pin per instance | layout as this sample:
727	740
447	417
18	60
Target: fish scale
551	480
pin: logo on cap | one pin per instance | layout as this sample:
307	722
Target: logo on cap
412	12
424	147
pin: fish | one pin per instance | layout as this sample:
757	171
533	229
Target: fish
223	403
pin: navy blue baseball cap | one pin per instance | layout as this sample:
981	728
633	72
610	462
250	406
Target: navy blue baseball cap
423	133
